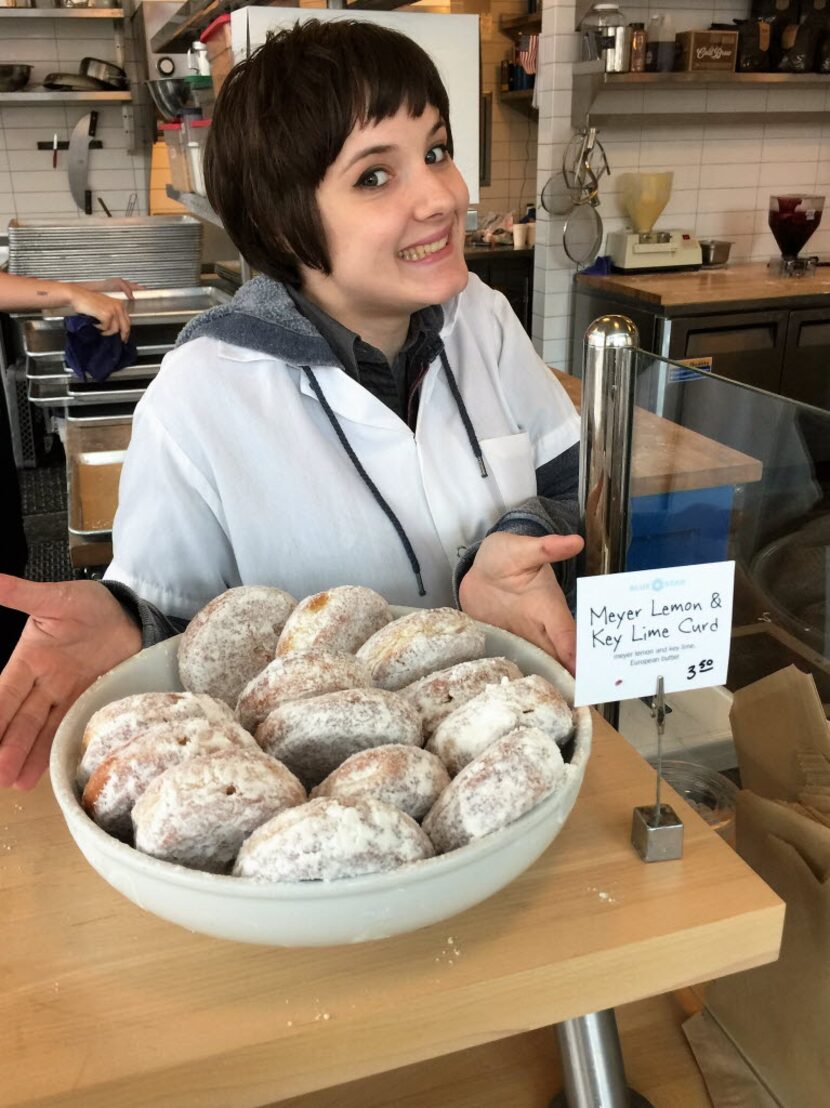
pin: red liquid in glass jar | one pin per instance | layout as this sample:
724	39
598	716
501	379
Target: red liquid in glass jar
792	229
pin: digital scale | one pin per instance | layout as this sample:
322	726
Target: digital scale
637	251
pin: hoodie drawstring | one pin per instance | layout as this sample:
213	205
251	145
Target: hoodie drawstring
462	411
367	480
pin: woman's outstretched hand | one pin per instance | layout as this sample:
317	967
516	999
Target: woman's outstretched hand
75	632
511	585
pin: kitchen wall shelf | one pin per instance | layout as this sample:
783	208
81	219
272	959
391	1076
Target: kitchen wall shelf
185	25
590	80
513	25
61	13
196	205
521	100
47	96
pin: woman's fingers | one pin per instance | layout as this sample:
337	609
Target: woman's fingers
38	758
21	735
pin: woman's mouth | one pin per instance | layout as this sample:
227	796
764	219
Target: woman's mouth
417	253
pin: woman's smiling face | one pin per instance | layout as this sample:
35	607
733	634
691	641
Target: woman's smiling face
393	207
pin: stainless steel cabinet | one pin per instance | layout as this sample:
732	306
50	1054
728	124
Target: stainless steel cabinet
805	374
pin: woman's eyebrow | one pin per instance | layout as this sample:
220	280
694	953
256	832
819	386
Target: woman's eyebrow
372	151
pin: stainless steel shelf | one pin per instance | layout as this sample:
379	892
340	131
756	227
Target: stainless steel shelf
185	25
195	204
49	97
61	13
590	80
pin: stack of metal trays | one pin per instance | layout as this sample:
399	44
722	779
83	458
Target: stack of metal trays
159	251
157	316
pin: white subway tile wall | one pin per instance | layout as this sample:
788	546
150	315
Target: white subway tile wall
723	172
29	186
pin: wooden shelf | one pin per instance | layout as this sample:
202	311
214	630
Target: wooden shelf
530	24
521	100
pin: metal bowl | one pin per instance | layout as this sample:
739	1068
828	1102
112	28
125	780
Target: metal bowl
14	77
715	252
171	95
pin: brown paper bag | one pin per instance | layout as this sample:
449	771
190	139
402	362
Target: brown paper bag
781	735
778	1015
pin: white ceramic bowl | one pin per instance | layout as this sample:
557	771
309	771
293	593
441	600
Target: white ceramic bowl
314	913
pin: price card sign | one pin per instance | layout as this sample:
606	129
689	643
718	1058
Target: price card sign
632	628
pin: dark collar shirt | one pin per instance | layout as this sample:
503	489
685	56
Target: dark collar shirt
396	385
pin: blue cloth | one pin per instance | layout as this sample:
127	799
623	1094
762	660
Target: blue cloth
91	355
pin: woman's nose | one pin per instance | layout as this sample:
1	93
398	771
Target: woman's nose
436	192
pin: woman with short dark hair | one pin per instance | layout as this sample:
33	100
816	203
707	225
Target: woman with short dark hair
365	412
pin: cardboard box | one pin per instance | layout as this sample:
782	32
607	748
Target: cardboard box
707	51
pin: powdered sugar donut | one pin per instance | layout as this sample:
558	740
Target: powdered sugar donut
199	812
327	839
406	777
418	644
529	702
437	695
232	639
118	782
494	789
297	677
339	619
312	737
117	723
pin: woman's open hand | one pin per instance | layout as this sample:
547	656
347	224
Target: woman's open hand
511	585
76	631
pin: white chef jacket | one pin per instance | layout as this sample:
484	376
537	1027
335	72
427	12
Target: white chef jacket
235	476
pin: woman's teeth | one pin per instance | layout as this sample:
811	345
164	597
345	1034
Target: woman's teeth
415	253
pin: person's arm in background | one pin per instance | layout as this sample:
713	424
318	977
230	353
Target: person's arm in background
83	297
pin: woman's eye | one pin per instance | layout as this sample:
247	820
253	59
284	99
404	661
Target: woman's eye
437	153
373	179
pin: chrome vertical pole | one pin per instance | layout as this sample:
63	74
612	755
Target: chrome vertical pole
589	1046
592	1065
605	449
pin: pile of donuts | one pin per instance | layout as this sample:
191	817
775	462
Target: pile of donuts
323	739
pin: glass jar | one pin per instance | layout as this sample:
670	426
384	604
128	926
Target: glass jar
606	37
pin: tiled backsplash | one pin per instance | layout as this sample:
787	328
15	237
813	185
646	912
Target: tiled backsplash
29	186
723	172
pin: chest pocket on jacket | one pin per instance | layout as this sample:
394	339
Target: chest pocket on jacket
509	461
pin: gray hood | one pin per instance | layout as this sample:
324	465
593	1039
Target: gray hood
263	317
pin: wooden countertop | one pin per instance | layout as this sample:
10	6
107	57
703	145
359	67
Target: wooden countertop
666	457
747	285
105	1005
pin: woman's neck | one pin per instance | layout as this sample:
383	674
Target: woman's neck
385	333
